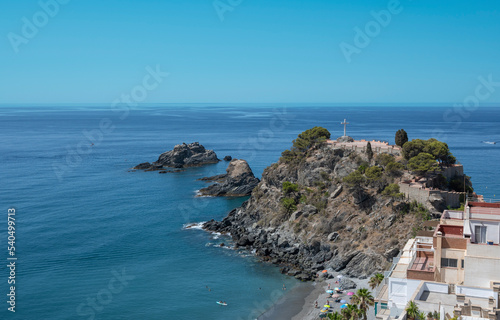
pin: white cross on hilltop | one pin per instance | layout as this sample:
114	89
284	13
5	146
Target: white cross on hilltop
345	123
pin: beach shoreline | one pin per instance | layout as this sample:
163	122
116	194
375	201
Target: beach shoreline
317	293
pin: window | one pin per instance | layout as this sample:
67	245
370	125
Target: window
462	263
445	262
383	305
479	234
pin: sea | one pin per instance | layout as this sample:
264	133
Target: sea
97	240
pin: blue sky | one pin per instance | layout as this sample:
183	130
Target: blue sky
262	51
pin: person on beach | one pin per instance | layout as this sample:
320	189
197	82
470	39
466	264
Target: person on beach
328	286
316	304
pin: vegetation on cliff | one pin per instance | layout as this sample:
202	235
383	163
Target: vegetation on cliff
322	206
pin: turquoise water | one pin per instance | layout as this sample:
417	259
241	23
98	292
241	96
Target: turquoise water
95	241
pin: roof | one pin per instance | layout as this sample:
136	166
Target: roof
484	204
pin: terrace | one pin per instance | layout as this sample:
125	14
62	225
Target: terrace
421	266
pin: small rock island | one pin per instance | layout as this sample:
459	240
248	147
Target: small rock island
182	156
236	182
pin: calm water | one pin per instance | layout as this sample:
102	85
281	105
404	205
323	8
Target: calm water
94	238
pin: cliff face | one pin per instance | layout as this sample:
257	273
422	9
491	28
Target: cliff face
354	229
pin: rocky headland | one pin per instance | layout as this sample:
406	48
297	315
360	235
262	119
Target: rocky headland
238	180
182	156
320	207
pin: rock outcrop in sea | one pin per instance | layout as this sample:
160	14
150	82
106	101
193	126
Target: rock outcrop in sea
304	217
182	156
237	181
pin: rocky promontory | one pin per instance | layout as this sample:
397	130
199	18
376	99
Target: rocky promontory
237	181
321	207
182	156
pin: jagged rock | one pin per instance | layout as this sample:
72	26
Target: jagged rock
238	181
344	167
143	166
391	253
333	236
295	215
183	155
303	277
228	158
347	284
364	264
337	192
309	210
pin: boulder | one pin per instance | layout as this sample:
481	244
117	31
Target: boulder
238	181
333	236
228	158
347	284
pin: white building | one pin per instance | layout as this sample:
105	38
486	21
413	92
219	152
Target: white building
455	271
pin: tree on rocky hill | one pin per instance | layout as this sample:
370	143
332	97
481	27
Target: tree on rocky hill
355	180
304	142
369	151
401	137
423	163
439	150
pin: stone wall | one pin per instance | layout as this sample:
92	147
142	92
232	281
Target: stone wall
452	171
422	195
378	147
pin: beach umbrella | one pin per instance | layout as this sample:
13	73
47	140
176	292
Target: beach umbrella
329	291
350	293
336	289
326	306
344	306
343	301
335	296
339	276
324	271
324	310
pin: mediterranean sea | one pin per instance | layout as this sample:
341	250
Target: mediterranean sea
97	241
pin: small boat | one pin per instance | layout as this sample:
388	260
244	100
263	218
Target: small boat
221	303
490	142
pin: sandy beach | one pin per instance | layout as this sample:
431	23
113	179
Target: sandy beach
299	304
309	312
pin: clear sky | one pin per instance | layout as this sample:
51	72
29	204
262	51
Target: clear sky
92	51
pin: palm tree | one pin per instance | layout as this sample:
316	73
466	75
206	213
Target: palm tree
412	310
376	280
351	312
335	316
363	299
